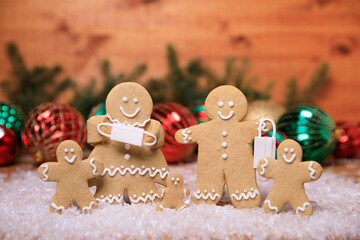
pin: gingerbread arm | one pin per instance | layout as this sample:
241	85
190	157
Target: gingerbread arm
311	171
257	121
93	166
49	172
186	192
266	167
93	135
156	129
189	135
161	191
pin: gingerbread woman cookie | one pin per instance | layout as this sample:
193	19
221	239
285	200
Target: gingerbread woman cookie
71	174
174	194
128	142
225	151
289	175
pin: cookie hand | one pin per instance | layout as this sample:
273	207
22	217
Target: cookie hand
48	172
266	166
311	171
156	129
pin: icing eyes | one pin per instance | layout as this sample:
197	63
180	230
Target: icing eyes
231	104
125	99
136	100
65	150
72	150
221	104
291	150
286	150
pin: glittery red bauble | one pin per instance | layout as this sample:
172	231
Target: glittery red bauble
48	125
348	139
173	117
8	145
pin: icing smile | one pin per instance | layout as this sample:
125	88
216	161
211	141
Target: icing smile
289	160
71	160
129	115
231	113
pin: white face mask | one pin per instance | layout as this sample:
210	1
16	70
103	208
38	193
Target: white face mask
125	133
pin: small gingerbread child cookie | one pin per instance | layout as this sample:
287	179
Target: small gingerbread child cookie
289	175
174	194
225	151
72	175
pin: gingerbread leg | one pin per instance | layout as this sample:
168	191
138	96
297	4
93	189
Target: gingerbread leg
302	205
86	202
110	189
273	203
243	193
143	190
59	203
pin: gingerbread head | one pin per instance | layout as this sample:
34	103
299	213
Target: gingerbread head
68	152
175	180
226	103
129	103
289	151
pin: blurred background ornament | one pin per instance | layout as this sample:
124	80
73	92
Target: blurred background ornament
99	109
173	117
259	108
348	139
312	128
8	145
198	110
12	117
49	124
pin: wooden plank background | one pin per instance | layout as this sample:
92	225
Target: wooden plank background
282	39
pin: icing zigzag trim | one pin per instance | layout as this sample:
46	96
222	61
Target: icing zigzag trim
93	166
246	196
263	166
87	209
303	208
57	208
312	171
133	171
46	168
111	199
212	196
183	132
271	207
145	198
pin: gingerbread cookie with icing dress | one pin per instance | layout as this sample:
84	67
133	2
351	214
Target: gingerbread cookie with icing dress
128	142
71	174
289	174
174	194
225	150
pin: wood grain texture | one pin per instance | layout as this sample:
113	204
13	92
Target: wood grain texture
282	39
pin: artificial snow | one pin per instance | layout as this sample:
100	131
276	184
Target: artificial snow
25	200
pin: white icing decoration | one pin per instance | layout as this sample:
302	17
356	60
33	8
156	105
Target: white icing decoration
183	132
289	160
65	150
160	206
245	195
129	115
125	99
46	168
127	146
271	207
212	196
224	144
220	104
72	150
224	133
231	104
224	156
140	171
303	208
93	166
286	150
136	100
291	150
111	199
312	171
183	206
263	166
57	208
87	209
146	198
127	156
125	122
231	113
70	160
185	195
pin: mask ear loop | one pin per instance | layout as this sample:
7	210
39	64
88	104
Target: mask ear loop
151	135
101	132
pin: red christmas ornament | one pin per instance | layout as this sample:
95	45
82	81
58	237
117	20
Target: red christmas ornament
348	139
47	126
8	145
173	117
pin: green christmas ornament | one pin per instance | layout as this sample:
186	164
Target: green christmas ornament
12	117
312	128
101	110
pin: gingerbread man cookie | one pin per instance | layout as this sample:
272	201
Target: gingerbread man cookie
128	142
225	151
71	174
289	175
174	194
